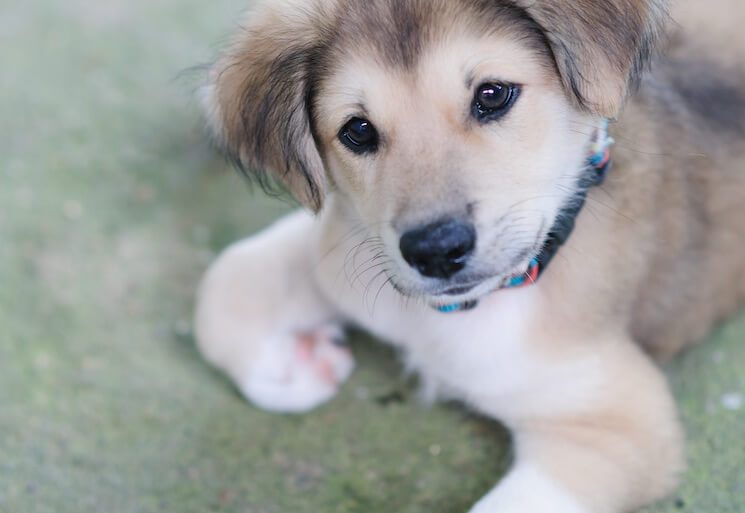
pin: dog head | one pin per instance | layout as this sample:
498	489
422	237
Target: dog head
455	129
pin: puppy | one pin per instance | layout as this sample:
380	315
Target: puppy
472	210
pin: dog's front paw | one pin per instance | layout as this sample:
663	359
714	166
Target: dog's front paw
528	490
294	374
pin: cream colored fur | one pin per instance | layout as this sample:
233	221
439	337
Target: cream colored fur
565	364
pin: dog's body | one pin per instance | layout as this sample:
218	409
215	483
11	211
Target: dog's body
656	258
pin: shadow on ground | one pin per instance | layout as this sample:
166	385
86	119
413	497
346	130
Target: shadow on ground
112	206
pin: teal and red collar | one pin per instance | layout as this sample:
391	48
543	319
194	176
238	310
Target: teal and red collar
598	165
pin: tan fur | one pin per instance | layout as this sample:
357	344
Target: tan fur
656	259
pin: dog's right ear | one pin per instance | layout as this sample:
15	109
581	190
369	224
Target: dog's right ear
258	96
601	47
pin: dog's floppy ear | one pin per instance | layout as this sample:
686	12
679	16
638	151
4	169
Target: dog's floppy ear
258	94
601	47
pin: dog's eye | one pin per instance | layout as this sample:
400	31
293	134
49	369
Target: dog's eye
360	136
494	100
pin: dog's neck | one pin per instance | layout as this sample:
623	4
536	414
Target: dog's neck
597	166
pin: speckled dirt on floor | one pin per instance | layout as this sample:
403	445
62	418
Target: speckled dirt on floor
111	205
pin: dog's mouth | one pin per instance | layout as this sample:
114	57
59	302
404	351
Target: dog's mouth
477	289
474	287
459	290
481	277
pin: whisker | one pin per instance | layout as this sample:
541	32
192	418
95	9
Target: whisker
377	295
367	289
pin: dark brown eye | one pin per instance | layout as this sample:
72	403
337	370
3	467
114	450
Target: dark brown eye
494	100
360	136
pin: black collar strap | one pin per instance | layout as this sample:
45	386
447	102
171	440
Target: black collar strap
598	166
564	225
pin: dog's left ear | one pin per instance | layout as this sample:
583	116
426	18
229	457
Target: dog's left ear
601	47
258	97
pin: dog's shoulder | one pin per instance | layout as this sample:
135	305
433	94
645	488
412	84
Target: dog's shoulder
709	91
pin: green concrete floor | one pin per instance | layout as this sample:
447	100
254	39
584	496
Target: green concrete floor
111	207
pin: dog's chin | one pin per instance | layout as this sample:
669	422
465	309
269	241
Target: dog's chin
465	294
464	290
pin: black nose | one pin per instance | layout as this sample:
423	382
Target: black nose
439	250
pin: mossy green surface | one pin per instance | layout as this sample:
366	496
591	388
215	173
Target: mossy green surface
111	206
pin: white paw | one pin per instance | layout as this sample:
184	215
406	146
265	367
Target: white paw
528	490
298	373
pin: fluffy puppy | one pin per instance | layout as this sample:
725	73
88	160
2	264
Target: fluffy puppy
451	150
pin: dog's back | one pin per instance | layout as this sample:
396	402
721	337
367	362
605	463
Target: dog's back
715	28
697	104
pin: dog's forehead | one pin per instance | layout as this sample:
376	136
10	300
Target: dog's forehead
399	32
440	79
443	73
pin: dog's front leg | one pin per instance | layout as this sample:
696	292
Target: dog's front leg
261	319
597	433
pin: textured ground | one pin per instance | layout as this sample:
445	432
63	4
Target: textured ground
111	206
